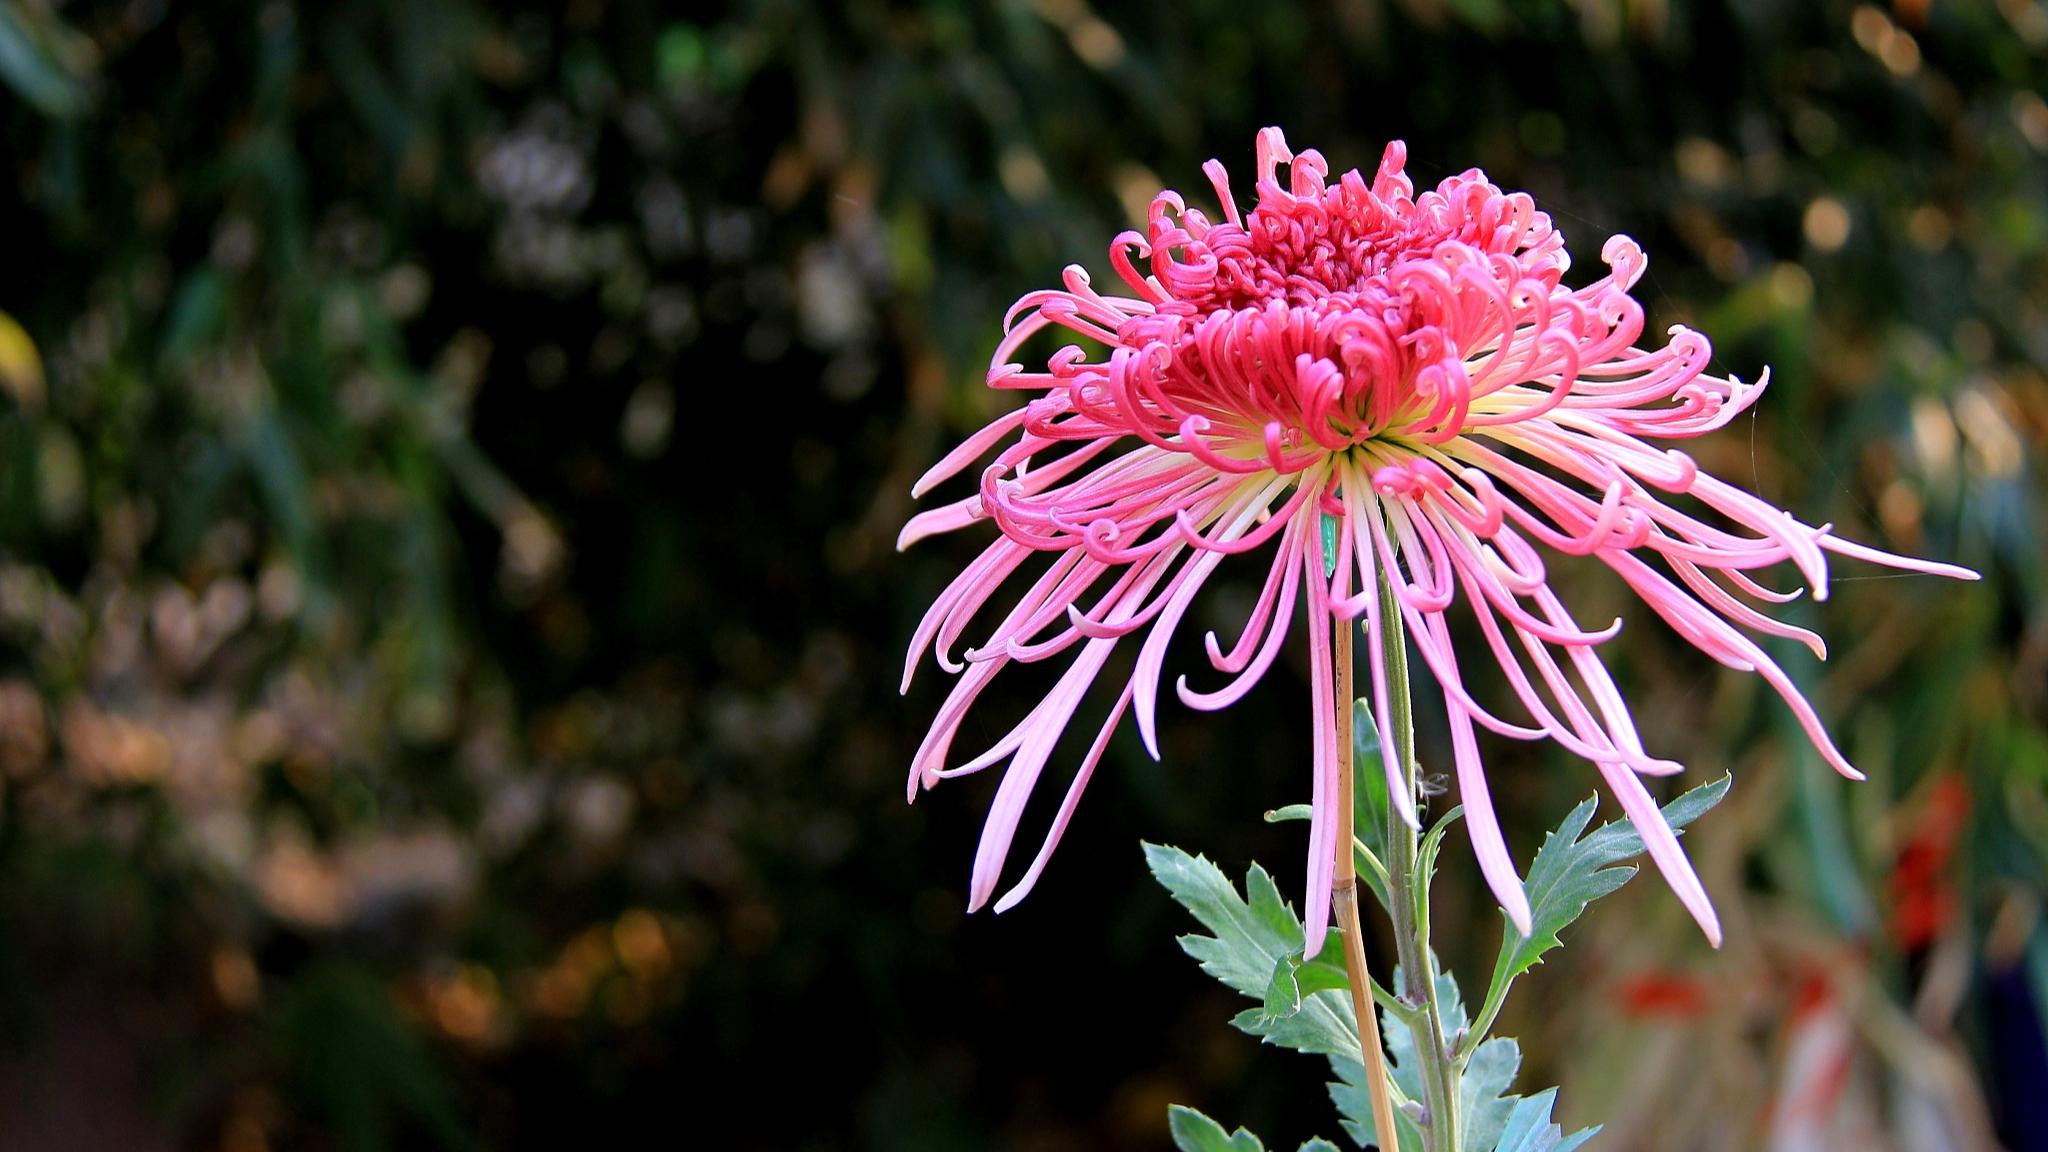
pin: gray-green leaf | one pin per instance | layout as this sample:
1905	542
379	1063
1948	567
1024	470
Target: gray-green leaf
1492	1118
1194	1132
1253	935
1530	1129
1294	978
1256	950
1348	1091
1569	873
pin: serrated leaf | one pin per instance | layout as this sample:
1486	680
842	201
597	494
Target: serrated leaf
1283	992
1348	1091
1529	1128
1354	1103
1294	978
1484	1102
1252	935
1570	873
1245	946
1194	1132
1256	950
1492	1118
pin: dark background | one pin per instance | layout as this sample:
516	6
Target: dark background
449	618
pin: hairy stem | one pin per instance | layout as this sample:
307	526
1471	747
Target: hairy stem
1344	900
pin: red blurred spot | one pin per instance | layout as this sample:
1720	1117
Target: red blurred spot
1923	899
1670	995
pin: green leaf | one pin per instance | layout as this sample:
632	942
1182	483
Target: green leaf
1253	931
1252	935
1484	1102
1530	1129
1493	1119
1330	552
1369	802
1432	844
1283	992
1570	873
1348	1092
1194	1132
1354	1102
1304	1004
1294	978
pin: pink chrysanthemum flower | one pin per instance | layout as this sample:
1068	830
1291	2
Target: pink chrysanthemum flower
1413	368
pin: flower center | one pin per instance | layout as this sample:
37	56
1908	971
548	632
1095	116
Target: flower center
1330	315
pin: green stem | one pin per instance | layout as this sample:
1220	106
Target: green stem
1396	1007
1371	862
1496	995
1408	890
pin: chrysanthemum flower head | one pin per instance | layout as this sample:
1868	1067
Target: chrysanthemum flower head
1414	369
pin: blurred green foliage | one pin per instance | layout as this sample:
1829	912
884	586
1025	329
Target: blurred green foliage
448	467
